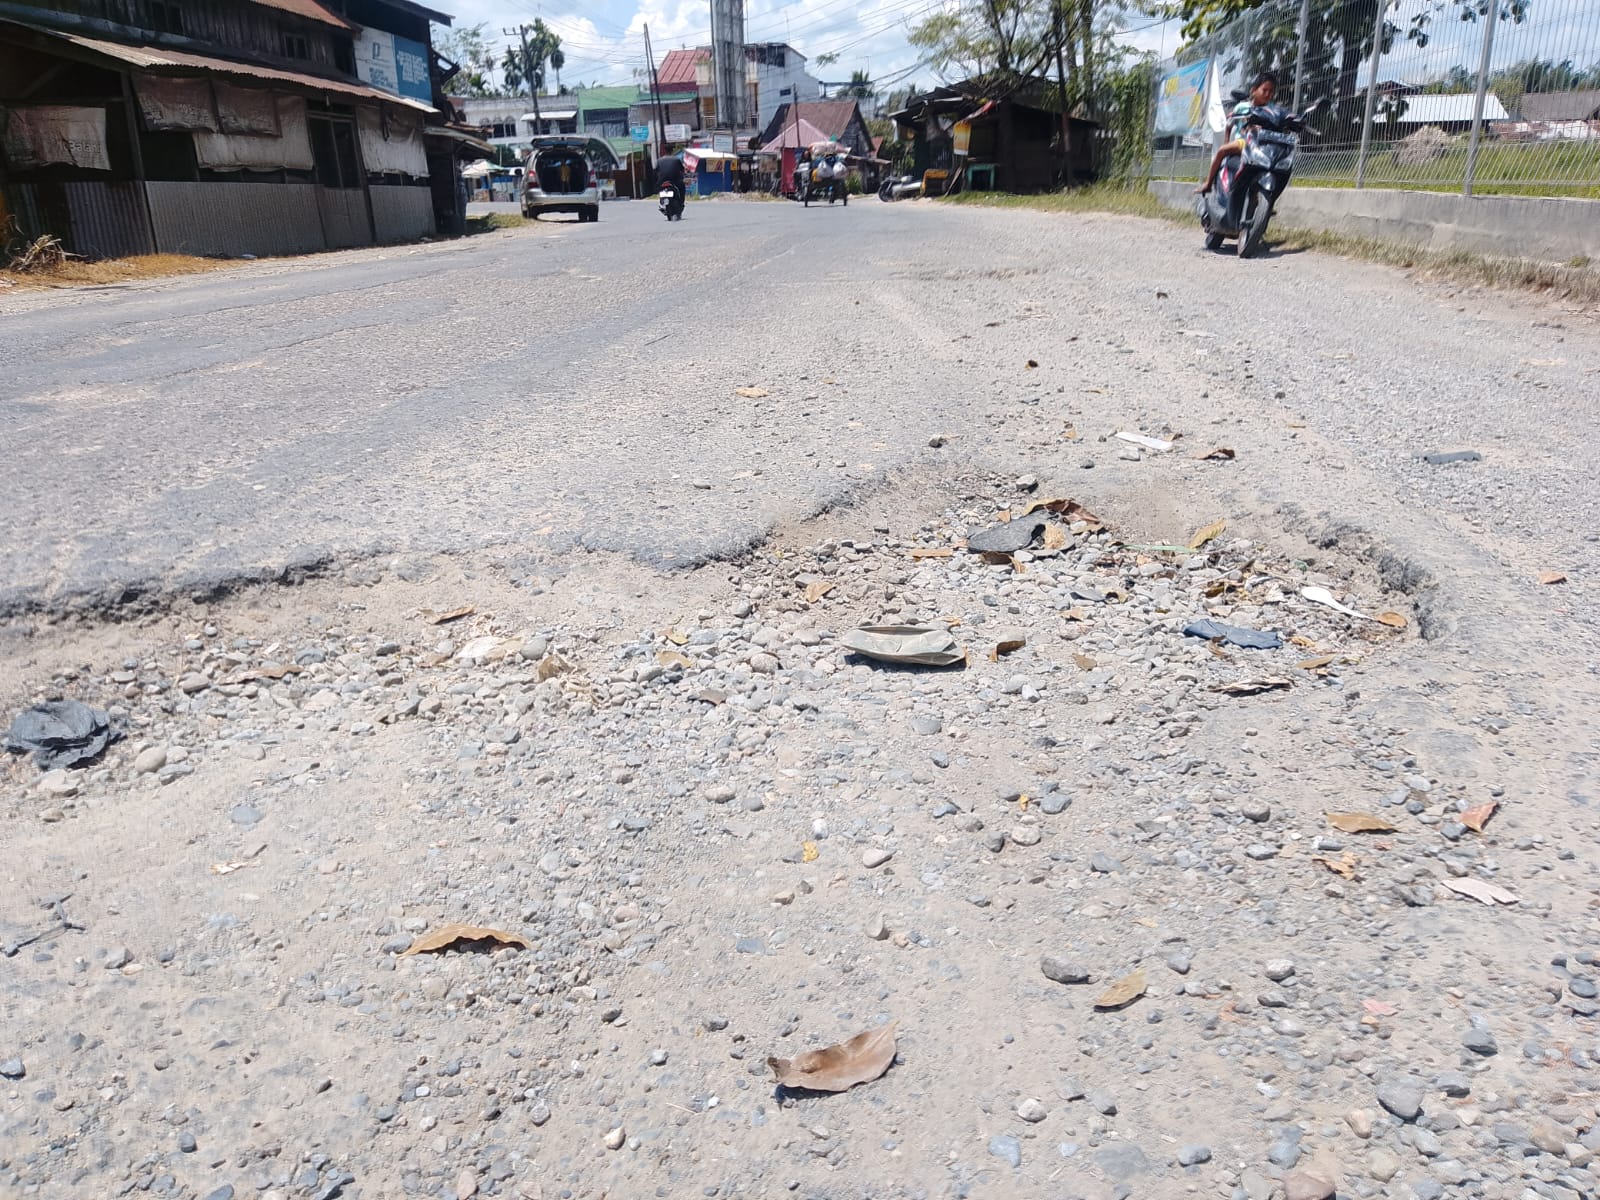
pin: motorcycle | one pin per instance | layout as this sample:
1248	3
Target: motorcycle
827	180
670	202
898	187
1240	202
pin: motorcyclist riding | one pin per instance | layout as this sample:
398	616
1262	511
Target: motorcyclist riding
670	174
1262	90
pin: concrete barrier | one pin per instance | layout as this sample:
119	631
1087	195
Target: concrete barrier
1549	229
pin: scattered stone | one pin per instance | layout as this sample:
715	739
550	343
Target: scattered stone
1104	864
1060	970
1007	1148
720	793
150	760
1308	1185
1193	1156
1279	969
1480	1040
1101	1101
1032	1111
875	857
13	1068
1257	811
877	928
615	1138
1402	1097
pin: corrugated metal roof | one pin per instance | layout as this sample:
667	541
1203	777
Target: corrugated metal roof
677	68
1449	108
1560	106
150	58
309	9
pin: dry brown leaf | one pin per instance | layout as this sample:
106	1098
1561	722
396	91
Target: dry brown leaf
1476	818
1055	537
446	936
1316	664
1206	533
444	618
752	393
1006	646
1220	454
676	636
817	589
252	674
1220	587
997	558
839	1068
809	852
1217	652
1085	663
550	666
1068	508
1003	516
1484	893
1070	433
671	658
1253	687
933	552
1344	865
1392	619
1123	992
1552	577
1359	823
1303	642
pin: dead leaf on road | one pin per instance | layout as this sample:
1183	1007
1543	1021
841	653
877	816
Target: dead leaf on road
1393	620
752	393
1007	646
444	618
839	1068
1552	577
1055	537
1476	818
1220	454
1085	663
933	552
1253	687
676	637
1206	533
1068	508
671	658
809	852
1359	823
1316	664
449	935
550	666
1123	992
252	674
817	589
1344	865
1485	893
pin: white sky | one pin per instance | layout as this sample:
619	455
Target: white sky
603	39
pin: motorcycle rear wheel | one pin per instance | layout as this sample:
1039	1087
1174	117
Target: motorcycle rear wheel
1214	241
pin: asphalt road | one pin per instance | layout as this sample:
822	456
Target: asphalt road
573	386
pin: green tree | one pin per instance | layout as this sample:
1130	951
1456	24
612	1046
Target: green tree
860	86
536	50
467	50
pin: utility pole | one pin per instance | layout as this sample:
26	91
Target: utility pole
1061	94
655	96
521	32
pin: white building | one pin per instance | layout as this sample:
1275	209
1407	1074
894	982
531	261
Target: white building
509	119
777	75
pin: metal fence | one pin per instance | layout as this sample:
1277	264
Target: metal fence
1442	95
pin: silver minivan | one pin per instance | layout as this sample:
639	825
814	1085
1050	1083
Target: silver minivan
561	178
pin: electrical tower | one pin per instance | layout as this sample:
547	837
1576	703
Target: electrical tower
728	62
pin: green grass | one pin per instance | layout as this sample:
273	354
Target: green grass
493	221
1577	279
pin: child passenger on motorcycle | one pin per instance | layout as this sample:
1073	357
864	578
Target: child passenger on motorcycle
1262	90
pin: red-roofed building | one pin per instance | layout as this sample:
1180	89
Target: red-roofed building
677	71
776	75
838	120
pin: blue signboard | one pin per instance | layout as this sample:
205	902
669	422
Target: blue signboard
394	64
639	133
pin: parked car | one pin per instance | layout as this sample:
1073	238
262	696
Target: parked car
560	178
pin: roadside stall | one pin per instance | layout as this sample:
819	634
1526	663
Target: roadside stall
712	169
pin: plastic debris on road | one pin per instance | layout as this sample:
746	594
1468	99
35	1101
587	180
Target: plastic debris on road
1233	635
61	733
914	645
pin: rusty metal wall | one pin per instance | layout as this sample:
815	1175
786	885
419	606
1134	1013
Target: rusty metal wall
93	219
402	214
344	217
236	218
